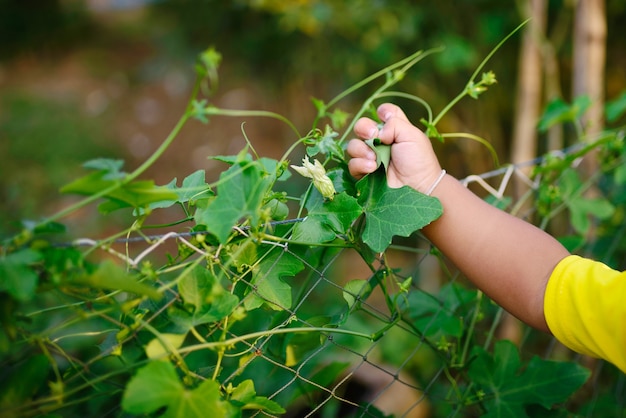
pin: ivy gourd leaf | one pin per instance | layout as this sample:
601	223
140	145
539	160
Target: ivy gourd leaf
205	300
111	276
157	386
616	108
240	195
136	194
17	277
508	388
244	396
158	348
382	151
431	130
390	212
113	167
356	290
193	188
326	144
271	290
327	218
272	167
558	111
580	207
442	314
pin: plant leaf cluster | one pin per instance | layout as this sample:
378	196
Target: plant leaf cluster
198	331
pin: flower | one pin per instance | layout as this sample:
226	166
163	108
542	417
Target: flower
317	172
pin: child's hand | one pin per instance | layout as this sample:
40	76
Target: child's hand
413	161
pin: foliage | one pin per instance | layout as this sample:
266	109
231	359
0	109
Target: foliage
229	321
563	191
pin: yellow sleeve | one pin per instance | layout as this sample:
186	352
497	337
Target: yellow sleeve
585	308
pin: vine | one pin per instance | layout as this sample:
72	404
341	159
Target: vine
181	338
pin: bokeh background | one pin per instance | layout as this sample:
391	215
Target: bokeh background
110	78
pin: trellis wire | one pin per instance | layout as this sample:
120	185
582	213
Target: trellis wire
506	171
368	363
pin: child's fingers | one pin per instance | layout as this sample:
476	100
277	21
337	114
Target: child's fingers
359	167
366	128
363	159
386	111
358	149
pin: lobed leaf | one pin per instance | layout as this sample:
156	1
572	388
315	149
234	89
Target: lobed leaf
393	212
240	195
157	386
17	277
509	388
271	290
327	218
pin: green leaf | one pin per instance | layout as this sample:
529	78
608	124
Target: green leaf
390	212
111	276
320	106
326	145
327	218
240	195
271	290
163	345
276	209
438	315
354	289
157	386
581	209
558	112
137	194
112	167
209	60
508	387
382	151
244	396
194	187
338	118
205	299
17	277
616	108
313	230
431	130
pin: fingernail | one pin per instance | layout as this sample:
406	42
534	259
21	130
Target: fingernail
373	133
387	116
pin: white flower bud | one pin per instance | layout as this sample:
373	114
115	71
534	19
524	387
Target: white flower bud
317	172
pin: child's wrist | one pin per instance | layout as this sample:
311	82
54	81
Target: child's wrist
435	183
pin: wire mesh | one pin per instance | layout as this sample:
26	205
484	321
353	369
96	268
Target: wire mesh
368	354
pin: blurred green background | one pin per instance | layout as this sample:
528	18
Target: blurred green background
110	78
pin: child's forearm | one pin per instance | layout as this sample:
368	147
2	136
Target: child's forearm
507	258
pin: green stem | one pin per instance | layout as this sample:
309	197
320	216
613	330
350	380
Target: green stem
392	80
251	113
380	73
468	339
409	97
475	74
260	334
476	138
